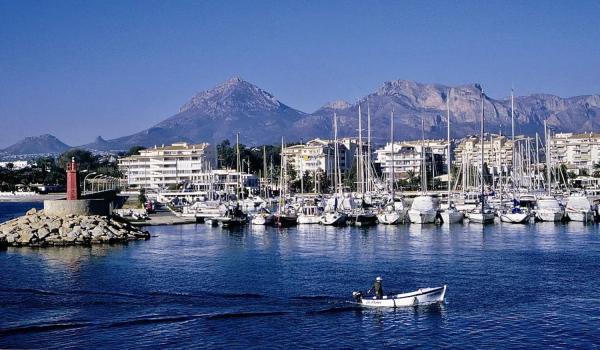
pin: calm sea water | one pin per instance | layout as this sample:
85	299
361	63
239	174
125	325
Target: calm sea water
509	286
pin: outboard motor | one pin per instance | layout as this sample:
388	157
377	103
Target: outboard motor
357	296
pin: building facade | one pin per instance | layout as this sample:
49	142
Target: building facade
576	151
497	152
408	158
160	167
318	155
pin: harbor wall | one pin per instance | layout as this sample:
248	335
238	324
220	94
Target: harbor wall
77	207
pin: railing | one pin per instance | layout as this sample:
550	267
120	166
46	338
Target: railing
94	182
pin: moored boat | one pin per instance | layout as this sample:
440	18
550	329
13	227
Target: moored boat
334	218
422	210
549	209
578	208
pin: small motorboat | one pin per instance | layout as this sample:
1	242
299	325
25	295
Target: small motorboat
423	296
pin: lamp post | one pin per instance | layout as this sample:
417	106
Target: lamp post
85	178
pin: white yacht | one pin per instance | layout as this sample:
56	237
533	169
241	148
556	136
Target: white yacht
423	210
549	209
579	208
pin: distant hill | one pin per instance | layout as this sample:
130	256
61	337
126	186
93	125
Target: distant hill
43	144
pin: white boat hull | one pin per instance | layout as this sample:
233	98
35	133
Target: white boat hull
451	216
515	218
479	218
549	215
580	216
309	219
422	217
391	218
262	220
424	296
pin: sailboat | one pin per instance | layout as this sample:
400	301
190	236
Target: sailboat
393	212
333	215
361	216
483	214
450	215
548	207
285	216
515	214
423	209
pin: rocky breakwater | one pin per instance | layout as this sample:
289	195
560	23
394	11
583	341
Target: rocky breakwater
35	229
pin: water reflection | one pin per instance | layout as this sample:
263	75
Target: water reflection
69	259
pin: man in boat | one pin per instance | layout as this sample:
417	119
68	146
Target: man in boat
377	289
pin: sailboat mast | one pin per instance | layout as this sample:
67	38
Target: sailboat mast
369	175
359	170
482	151
392	174
237	165
423	161
548	158
282	179
512	122
335	154
448	154
265	169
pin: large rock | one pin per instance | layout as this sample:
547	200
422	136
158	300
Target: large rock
26	236
31	211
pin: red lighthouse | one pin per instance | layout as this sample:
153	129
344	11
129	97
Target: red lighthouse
73	191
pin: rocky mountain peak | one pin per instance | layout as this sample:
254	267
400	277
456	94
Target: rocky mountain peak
337	105
233	94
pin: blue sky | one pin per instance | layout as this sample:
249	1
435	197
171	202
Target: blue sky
79	69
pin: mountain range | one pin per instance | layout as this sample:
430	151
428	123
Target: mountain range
239	106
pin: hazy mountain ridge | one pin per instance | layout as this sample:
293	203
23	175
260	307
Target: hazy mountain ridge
239	106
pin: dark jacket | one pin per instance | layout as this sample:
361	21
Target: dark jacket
377	289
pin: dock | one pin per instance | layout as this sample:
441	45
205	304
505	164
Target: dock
165	217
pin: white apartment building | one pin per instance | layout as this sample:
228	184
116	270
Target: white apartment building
408	157
497	151
577	151
318	155
159	167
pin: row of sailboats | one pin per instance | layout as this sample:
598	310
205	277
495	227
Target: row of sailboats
359	208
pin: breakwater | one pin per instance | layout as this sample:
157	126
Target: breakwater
36	229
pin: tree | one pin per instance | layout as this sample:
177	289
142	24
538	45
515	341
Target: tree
85	159
135	150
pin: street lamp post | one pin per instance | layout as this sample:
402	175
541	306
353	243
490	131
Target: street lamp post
85	178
